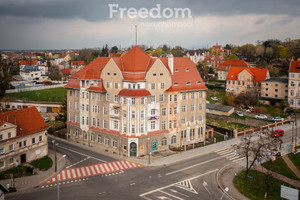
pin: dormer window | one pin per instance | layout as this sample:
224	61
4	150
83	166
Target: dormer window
187	70
175	84
154	74
198	82
115	74
108	73
188	83
161	74
176	70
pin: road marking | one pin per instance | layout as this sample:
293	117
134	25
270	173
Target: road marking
114	164
175	191
120	165
78	172
162	188
171	195
93	170
111	167
124	164
107	169
68	174
128	164
239	159
102	169
183	169
82	154
220	150
231	156
63	175
186	185
83	171
88	170
73	173
225	152
97	169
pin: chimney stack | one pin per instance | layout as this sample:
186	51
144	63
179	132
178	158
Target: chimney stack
171	64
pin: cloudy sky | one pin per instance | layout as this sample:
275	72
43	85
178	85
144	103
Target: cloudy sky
76	24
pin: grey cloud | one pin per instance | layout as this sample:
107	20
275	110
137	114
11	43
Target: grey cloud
260	21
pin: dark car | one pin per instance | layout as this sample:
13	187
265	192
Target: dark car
278	133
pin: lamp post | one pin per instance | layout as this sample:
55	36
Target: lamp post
55	157
58	176
225	190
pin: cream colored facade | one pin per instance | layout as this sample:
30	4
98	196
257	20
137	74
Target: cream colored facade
16	150
294	90
152	123
274	89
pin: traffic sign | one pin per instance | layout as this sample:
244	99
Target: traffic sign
150	153
288	145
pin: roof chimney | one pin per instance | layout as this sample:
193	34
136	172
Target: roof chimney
171	64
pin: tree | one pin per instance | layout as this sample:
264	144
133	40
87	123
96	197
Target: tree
114	49
256	146
104	51
158	52
54	73
62	115
5	78
274	71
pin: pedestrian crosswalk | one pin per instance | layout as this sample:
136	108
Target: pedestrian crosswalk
93	170
230	154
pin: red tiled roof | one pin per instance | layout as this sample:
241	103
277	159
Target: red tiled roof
295	66
73	83
78	63
73	123
66	71
185	75
216	47
257	73
99	88
28	120
224	66
28	62
1	122
214	57
135	60
134	93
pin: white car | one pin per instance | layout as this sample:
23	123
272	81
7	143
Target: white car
261	116
214	98
239	113
277	119
207	101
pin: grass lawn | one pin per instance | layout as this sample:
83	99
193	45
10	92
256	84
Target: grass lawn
280	167
295	158
220	94
219	138
225	124
255	188
19	171
43	164
51	95
275	111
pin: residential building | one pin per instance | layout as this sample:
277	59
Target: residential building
294	85
32	73
136	103
23	137
244	79
274	90
224	67
23	63
77	64
214	60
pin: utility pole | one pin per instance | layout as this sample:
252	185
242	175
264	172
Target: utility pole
55	156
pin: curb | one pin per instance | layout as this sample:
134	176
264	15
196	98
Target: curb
219	185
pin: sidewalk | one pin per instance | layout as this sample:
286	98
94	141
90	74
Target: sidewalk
30	182
291	165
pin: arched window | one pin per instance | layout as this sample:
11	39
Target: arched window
173	139
99	139
115	144
163	141
106	141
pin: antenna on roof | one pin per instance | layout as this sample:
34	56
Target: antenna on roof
135	34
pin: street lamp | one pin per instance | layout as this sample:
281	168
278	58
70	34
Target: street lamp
55	157
58	176
225	190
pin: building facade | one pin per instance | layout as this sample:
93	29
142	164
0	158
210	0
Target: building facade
294	85
244	79
224	67
274	90
135	104
23	137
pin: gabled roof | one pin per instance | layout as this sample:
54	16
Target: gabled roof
73	83
28	120
28	62
134	93
78	63
136	60
224	66
295	66
257	73
99	88
1	122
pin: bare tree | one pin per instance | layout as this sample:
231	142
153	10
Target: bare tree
256	146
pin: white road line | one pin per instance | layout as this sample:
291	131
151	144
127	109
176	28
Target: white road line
134	165
159	189
116	167
63	175
123	163
225	152
236	157
183	169
101	167
111	167
230	156
83	171
220	150
68	174
78	172
88	170
73	173
97	169
93	170
53	179
82	154
107	169
128	163
239	159
121	167
171	195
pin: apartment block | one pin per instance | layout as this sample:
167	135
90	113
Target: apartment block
294	85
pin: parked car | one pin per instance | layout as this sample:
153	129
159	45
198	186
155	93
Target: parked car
214	98
207	101
297	152
278	133
239	113
261	116
46	119
247	108
277	119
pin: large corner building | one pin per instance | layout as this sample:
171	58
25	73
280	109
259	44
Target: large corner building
136	103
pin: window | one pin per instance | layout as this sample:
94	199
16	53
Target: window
77	105
116	125
82	107
192	119
161	74
170	97
192	107
292	92
153	86
11	161
188	83
70	104
116	98
164	141
82	94
9	135
87	95
142	100
142	114
104	110
138	86
93	95
292	75
173	139
161	97
133	114
170	124
132	128
175	110
292	102
276	90
163	111
87	107
40	138
170	110
162	85
292	83
152	111
183	120
33	140
200	106
2	150
175	123
152	98
200	118
106	141
104	123
71	93
11	147
98	122
152	125
24	143
183	108
154	74
2	164
200	94
163	125
99	139
82	120
142	128
116	85
184	96
132	101
192	95
94	121
87	120
115	144
77	93
107	84
175	97
124	128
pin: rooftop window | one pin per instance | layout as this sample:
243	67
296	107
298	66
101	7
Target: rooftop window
198	82
175	84
188	83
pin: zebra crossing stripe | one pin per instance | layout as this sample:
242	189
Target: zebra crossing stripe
93	170
111	167
107	169
83	171
97	169
68	174
116	167
63	175
78	172
119	164
88	170
128	163
73	173
123	163
102	169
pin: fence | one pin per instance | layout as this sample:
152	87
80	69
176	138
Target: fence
34	88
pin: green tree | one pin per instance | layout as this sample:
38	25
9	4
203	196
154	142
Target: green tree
5	78
62	115
274	71
114	49
231	56
158	52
